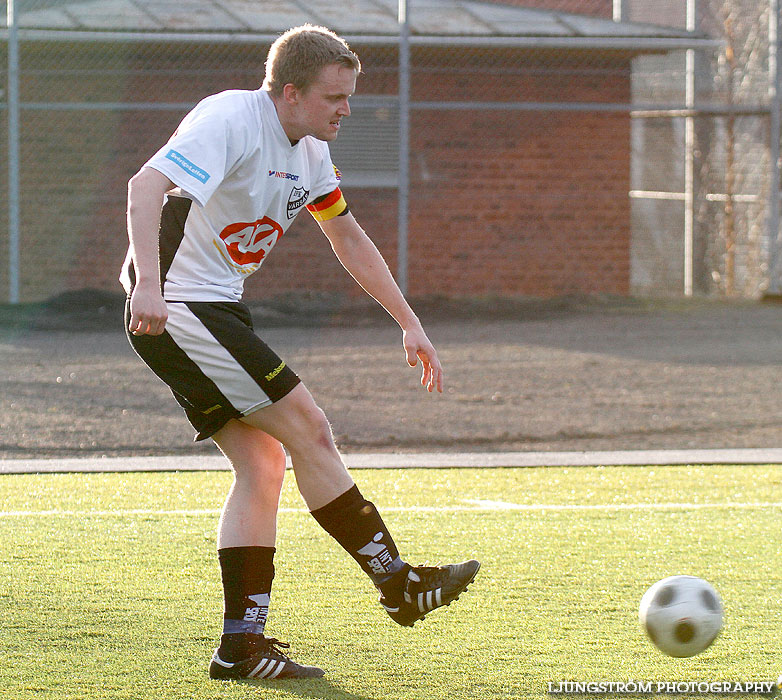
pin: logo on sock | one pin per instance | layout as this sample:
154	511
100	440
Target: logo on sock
381	560
260	611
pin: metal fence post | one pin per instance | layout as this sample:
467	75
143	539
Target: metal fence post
620	11
13	153
689	156
774	274
403	193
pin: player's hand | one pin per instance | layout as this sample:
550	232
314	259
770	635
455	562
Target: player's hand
418	347
148	311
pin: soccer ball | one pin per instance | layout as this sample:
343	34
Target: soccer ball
681	614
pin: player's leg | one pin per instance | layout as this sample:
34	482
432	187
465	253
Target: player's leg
325	484
249	515
246	546
407	593
298	423
217	368
220	370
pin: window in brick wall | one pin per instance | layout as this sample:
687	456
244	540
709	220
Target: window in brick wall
367	149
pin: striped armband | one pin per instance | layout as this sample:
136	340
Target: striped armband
328	206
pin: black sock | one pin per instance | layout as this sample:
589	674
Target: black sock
355	523
247	574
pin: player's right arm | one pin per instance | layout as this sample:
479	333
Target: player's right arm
146	193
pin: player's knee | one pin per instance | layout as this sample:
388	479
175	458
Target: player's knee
314	427
320	429
274	462
273	478
254	456
263	472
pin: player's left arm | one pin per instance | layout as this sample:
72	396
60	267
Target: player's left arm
361	258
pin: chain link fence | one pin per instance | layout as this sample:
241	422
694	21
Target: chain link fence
555	147
728	193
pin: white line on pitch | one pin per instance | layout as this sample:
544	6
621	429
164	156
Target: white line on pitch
100	513
476	505
210	511
503	505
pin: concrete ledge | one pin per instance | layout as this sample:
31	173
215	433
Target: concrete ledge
408	460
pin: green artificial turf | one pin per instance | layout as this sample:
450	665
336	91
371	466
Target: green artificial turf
109	586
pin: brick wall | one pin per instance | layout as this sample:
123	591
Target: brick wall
502	203
539	211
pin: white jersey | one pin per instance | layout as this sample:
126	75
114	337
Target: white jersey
240	185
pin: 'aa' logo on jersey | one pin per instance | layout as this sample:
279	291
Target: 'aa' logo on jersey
249	243
296	200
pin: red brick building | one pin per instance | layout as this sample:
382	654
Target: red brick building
503	202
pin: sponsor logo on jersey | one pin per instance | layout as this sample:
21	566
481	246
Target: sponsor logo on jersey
296	200
284	176
249	243
188	166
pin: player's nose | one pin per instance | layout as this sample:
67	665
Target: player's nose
344	109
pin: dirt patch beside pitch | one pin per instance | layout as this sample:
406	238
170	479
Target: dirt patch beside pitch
568	374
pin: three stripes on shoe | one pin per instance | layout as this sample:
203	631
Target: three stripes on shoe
267	668
427	600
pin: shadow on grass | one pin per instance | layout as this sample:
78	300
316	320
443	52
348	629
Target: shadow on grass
320	689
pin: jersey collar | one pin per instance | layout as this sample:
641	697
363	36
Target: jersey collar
279	133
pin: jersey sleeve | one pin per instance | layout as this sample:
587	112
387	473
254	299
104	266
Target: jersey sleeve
201	151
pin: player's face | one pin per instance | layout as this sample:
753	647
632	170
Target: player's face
320	108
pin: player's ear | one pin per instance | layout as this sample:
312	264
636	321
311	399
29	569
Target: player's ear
290	93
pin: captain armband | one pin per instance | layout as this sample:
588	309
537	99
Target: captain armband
328	206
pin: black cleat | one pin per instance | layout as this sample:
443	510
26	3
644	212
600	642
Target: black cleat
427	588
266	661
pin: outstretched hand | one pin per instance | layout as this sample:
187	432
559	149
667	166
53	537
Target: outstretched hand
418	347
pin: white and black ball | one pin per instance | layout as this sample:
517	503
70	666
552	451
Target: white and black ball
682	615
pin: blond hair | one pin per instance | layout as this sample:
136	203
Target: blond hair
300	54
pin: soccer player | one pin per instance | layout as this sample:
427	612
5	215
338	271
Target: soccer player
203	214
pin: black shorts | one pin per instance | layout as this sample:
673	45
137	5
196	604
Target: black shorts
214	364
